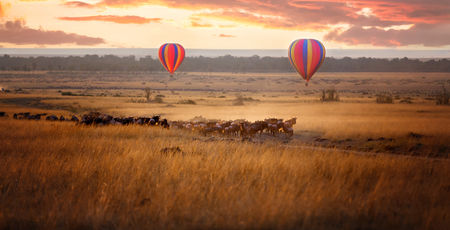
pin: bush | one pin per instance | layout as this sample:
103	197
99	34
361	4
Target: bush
67	94
75	94
407	100
384	99
329	95
158	100
443	98
187	102
241	99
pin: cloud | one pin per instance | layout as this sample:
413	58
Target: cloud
3	7
15	32
322	15
226	36
114	18
79	4
421	34
196	22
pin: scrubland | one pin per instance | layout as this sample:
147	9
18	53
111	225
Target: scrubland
352	164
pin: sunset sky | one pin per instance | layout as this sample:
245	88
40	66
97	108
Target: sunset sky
225	24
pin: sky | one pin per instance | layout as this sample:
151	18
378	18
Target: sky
225	24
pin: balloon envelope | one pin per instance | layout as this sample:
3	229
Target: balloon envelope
171	55
306	56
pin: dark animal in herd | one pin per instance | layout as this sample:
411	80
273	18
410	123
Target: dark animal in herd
243	128
28	116
96	118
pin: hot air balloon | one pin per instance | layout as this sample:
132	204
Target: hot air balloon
306	56
171	55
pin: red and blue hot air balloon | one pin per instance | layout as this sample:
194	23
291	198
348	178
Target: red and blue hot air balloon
171	56
306	55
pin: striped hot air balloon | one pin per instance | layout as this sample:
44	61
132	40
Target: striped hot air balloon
171	55
306	55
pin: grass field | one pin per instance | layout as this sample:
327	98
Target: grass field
59	175
352	164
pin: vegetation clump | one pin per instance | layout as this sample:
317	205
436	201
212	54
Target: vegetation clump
68	93
384	99
443	97
406	100
241	99
329	95
187	102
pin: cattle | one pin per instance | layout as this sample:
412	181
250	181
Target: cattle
287	126
274	125
74	118
165	124
34	117
154	120
51	118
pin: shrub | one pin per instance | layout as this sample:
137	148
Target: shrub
187	102
329	95
443	97
406	100
384	99
67	94
241	99
158	100
147	94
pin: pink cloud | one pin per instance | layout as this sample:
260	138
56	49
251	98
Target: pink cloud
15	32
323	15
113	18
79	4
226	36
421	34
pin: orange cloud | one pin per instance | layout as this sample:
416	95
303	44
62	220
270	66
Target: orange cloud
266	21
3	7
2	12
226	36
113	18
15	32
79	4
196	22
320	15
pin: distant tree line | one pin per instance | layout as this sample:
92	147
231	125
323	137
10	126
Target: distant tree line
226	63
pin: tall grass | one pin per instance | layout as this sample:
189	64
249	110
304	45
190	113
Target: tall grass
58	175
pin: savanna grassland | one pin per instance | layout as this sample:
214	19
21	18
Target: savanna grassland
351	164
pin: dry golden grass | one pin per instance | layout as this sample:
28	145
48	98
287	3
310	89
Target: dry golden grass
58	175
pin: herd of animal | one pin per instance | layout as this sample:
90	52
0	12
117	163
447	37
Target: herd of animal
240	128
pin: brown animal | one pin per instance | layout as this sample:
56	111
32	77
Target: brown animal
287	126
274	125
